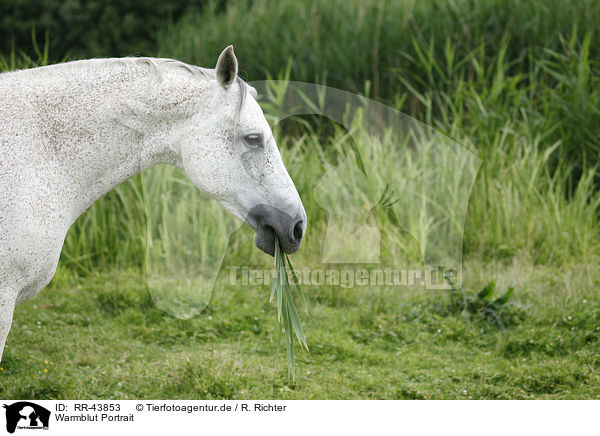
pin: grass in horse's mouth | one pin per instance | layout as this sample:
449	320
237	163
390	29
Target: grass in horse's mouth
286	309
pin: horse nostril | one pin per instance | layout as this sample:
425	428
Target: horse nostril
298	231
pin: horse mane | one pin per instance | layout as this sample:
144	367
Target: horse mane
159	65
156	67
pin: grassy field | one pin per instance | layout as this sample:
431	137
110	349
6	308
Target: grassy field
516	83
102	337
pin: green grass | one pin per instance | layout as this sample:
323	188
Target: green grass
478	62
285	279
106	339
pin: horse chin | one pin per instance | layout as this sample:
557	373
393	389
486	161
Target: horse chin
264	239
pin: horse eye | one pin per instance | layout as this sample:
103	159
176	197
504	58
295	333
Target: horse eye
254	140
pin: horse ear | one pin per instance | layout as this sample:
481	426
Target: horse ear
227	68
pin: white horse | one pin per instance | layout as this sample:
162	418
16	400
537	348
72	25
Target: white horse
69	133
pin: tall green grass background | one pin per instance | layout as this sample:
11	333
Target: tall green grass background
516	81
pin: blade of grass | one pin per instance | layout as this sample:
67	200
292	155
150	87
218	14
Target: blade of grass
296	283
287	315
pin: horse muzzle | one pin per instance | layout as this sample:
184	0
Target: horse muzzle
269	222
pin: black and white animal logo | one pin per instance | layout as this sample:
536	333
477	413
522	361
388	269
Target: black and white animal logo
24	414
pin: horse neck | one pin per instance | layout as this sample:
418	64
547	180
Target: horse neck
114	121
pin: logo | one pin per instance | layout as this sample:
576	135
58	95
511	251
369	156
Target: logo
392	194
26	415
